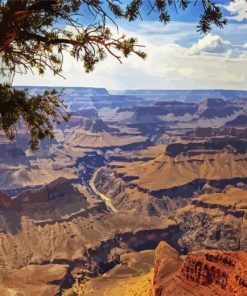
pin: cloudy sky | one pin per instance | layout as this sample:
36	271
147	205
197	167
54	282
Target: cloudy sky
178	56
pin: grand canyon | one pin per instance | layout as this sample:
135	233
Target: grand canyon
140	193
123	148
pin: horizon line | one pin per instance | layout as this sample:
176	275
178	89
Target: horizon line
134	89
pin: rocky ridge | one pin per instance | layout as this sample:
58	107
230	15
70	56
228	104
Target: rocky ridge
160	185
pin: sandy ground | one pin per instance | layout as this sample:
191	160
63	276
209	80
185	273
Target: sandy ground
133	277
133	286
137	286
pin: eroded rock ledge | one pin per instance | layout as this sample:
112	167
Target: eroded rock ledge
206	272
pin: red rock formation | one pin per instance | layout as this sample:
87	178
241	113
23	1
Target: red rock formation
202	273
5	201
167	261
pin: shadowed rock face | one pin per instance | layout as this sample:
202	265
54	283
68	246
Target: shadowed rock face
55	202
10	154
178	148
216	108
227	131
5	201
88	113
206	273
54	195
164	108
88	121
240	120
97	126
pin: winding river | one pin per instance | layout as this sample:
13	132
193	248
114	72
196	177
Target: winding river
104	198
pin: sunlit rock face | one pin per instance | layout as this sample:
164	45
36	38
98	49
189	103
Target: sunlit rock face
169	181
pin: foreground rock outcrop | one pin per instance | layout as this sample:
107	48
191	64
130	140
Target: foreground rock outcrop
205	273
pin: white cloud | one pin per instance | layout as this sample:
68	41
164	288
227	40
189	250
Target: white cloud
243	53
238	8
209	44
231	77
186	72
168	66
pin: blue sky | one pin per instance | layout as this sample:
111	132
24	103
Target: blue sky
178	56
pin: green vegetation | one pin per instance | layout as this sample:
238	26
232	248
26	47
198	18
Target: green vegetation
38	112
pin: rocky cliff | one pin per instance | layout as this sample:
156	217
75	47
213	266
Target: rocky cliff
215	218
217	107
169	181
206	273
215	221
